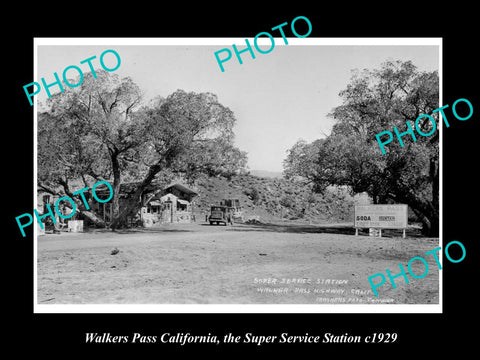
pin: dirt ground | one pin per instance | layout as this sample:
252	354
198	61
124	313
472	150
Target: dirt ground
240	264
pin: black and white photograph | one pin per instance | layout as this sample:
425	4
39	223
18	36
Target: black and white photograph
215	179
163	180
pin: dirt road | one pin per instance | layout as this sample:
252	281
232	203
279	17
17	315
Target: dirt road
242	264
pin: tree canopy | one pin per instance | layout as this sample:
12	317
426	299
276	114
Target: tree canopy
101	131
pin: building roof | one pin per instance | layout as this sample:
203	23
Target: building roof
181	188
166	197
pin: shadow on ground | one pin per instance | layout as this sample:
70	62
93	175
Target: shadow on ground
294	228
141	230
346	229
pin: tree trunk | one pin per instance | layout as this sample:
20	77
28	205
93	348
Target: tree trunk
426	212
430	223
116	184
89	214
134	204
435	178
434	230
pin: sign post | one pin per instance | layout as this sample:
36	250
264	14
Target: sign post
380	217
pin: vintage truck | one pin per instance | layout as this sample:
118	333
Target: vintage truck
221	214
237	209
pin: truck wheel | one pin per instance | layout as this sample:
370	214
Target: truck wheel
211	222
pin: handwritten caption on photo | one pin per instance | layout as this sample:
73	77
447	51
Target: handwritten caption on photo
409	267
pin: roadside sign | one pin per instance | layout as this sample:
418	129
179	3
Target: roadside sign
394	216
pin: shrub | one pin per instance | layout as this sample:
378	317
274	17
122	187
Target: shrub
253	194
287	201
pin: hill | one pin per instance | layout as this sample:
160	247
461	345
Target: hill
272	199
266	174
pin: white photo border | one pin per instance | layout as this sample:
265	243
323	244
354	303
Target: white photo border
238	308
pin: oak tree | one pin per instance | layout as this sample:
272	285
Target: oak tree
374	101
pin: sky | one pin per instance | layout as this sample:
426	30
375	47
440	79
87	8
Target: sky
277	98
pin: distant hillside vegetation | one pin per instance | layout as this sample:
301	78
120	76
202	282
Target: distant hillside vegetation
276	198
266	174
